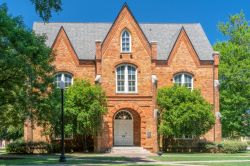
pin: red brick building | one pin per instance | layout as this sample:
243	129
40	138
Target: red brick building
131	60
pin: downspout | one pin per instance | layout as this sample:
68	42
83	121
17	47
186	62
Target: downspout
214	98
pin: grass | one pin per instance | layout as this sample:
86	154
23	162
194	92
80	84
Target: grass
207	159
202	157
226	164
54	159
2	151
81	158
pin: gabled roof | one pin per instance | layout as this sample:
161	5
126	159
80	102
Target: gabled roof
84	35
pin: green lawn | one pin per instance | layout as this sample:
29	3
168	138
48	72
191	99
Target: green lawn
80	158
2	151
53	159
203	157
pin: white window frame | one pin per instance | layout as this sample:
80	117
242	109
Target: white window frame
183	137
183	79
126	78
130	43
63	77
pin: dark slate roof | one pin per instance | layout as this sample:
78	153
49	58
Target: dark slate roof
84	35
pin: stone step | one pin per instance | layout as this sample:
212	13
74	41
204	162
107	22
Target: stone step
129	150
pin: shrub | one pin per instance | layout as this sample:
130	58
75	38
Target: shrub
207	146
30	147
233	146
211	147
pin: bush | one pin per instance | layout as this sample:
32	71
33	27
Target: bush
207	146
30	147
233	146
211	147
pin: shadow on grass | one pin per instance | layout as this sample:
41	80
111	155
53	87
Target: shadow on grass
14	159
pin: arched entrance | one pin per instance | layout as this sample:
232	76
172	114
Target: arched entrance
123	129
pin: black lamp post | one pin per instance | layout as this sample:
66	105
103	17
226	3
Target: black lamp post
62	157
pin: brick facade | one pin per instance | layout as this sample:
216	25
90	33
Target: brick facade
143	55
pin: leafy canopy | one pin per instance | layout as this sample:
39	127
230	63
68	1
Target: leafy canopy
85	104
183	112
44	8
234	75
26	72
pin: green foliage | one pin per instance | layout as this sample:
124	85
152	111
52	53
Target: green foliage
234	75
26	72
211	147
233	146
22	147
11	132
45	7
85	104
183	112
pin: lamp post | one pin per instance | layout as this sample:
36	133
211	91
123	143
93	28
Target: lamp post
62	157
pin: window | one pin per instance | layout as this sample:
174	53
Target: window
185	137
67	78
184	80
123	115
126	79
126	41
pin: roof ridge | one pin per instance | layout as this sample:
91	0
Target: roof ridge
166	23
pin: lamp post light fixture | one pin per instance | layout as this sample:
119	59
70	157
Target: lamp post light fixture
62	157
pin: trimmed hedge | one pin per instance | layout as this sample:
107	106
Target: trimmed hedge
227	146
23	147
233	146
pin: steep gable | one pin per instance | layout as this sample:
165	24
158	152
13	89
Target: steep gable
124	19
183	50
63	47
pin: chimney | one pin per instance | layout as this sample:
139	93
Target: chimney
216	56
154	49
98	49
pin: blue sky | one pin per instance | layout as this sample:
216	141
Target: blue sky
206	12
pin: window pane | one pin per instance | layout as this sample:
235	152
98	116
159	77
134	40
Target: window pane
187	81
67	80
120	78
126	41
58	80
177	79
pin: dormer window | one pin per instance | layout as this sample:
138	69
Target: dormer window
125	41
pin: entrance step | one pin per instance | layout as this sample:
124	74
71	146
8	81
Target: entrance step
131	150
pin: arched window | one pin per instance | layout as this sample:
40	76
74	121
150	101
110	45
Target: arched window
126	79
184	79
125	41
67	78
123	115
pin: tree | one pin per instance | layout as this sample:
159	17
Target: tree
45	7
85	105
234	75
182	110
26	72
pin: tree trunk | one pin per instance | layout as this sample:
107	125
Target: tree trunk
85	144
